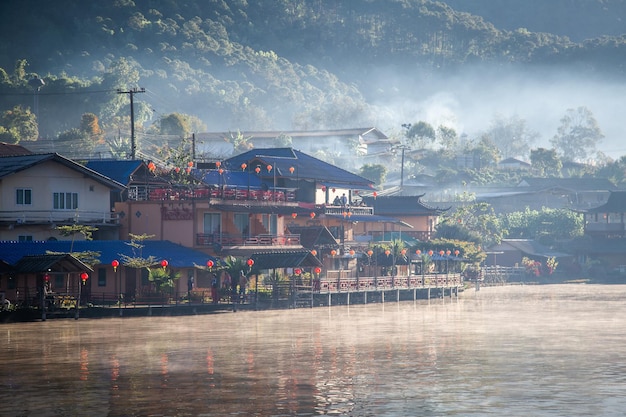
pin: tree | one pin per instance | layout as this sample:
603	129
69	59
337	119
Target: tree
578	135
76	142
511	136
174	124
419	134
478	221
21	124
89	124
374	172
545	162
448	139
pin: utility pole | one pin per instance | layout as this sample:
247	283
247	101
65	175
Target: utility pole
131	93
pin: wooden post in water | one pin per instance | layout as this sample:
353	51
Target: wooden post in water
428	294
365	297
397	295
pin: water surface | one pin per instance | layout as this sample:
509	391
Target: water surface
502	351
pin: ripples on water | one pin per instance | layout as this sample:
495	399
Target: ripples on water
514	351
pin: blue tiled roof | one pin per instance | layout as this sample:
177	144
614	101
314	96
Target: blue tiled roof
177	256
11	164
119	171
305	167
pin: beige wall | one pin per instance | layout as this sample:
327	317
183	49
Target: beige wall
43	180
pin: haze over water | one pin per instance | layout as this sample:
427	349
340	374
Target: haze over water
514	351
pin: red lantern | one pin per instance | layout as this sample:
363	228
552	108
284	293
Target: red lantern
430	252
387	252
375	194
418	252
257	169
370	253
244	166
312	215
448	252
250	262
333	252
190	164
314	252
291	169
269	168
441	252
351	252
177	169
403	252
318	270
115	263
188	170
151	166
334	190
294	215
218	164
297	271
456	252
221	171
83	277
164	263
210	264
46	277
324	188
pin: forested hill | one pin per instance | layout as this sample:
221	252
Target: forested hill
262	64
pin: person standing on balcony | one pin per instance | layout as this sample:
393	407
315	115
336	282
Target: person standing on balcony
344	200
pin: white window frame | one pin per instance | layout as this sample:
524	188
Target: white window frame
25	195
64	201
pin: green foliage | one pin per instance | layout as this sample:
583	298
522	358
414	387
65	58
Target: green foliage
475	222
545	162
578	135
18	124
137	260
420	135
546	225
512	136
374	172
162	278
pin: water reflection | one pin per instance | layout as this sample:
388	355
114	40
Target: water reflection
519	351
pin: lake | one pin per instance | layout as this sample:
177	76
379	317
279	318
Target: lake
549	350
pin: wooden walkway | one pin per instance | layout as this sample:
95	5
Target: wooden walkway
363	290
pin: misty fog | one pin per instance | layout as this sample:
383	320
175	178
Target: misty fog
468	101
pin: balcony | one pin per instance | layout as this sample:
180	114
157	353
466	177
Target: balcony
59	216
231	239
222	193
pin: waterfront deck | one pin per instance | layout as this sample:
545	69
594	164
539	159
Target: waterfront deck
285	295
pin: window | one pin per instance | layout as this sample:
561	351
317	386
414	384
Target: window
102	277
25	238
23	196
242	222
65	201
212	222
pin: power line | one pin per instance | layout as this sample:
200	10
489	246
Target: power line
131	93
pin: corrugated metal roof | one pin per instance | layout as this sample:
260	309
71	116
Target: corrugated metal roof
53	263
177	256
117	170
12	164
284	259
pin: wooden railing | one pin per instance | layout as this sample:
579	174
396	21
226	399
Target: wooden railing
230	239
339	285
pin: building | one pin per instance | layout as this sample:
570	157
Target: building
42	191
